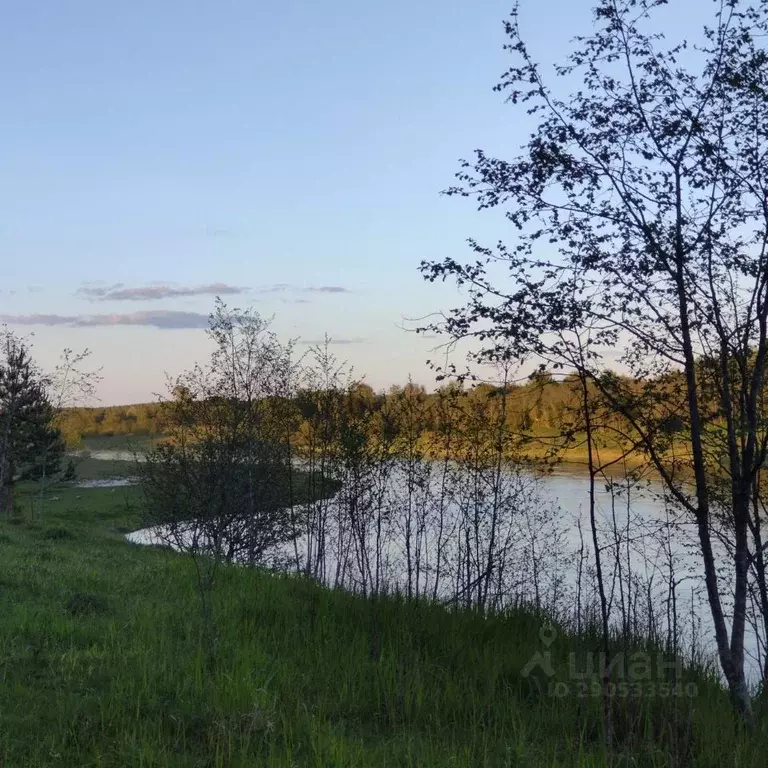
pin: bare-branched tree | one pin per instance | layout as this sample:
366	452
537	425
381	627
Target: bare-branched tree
217	485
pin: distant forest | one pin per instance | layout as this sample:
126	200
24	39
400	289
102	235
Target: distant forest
540	416
539	405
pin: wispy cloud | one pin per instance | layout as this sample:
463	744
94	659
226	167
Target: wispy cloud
288	287
276	288
321	342
327	289
163	319
119	292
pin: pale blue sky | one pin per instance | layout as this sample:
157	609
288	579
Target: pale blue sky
278	148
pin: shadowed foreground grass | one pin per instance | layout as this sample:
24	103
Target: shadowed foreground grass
101	665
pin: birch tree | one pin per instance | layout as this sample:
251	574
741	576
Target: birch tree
639	209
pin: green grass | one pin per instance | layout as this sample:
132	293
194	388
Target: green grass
101	664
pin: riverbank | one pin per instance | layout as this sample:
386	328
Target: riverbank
102	665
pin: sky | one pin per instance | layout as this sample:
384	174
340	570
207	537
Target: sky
288	156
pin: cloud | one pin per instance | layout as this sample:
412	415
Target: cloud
286	287
328	289
277	288
321	342
163	319
97	289
118	291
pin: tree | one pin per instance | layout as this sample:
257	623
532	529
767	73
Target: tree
30	443
217	486
650	185
68	386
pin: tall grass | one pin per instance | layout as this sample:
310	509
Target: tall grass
102	664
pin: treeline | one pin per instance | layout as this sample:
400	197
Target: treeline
537	411
139	419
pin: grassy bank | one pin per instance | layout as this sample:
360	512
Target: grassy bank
102	666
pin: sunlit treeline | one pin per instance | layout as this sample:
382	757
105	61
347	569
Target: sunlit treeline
538	411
